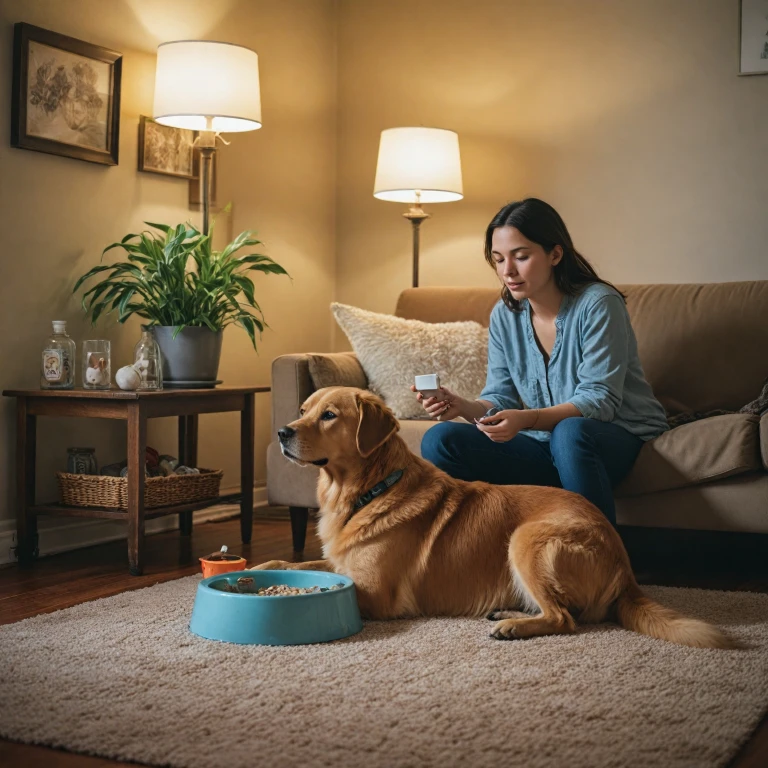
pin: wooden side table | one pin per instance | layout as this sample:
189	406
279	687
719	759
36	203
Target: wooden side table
134	408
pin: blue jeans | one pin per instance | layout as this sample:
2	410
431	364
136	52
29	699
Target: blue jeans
586	456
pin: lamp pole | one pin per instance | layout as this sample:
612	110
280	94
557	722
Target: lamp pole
207	145
416	214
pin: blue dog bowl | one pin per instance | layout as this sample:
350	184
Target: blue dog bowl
282	620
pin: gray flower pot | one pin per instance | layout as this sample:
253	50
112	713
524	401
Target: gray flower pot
192	357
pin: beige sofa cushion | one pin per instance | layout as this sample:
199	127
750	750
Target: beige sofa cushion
445	304
734	504
699	343
336	369
393	350
699	452
412	431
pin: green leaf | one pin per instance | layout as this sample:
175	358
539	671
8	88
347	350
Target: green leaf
273	268
162	227
90	273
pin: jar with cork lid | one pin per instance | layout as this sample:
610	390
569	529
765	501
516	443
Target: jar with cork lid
58	360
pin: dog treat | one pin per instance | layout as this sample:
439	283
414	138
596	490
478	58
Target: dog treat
222	555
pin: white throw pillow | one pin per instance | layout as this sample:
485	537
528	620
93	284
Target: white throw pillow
393	350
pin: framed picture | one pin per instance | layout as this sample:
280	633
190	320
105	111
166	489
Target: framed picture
195	199
166	150
65	96
753	37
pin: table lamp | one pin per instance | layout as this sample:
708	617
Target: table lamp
208	87
415	166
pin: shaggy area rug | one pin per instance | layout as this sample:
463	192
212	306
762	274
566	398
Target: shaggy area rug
123	677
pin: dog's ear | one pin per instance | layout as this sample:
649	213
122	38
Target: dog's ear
375	425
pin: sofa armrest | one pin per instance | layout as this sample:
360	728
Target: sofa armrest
291	386
336	369
764	439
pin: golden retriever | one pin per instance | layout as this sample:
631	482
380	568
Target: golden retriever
539	559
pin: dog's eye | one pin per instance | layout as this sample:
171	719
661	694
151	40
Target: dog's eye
301	411
328	415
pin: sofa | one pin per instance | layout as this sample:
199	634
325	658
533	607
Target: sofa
703	347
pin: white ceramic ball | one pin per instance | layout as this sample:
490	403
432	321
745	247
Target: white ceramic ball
128	378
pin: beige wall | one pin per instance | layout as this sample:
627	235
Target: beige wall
56	214
627	116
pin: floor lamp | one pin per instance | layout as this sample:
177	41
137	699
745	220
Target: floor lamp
415	166
208	87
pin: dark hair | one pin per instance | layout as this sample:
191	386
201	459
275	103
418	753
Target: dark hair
540	223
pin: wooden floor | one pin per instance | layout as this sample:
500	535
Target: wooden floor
70	578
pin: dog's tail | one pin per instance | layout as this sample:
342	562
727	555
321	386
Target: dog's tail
641	614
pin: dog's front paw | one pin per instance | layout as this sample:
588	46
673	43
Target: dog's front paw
271	565
505	630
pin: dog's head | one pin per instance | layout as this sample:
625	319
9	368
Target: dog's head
337	426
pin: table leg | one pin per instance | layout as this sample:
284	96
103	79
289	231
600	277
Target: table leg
187	456
137	457
26	522
246	467
299	520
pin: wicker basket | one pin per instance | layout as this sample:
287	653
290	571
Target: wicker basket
112	492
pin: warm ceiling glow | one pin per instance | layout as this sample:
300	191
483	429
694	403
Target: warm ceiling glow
196	79
426	160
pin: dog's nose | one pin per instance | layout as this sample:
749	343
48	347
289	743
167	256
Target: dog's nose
286	433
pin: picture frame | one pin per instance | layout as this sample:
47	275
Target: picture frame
65	96
166	150
753	37
195	199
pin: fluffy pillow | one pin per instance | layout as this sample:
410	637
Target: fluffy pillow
393	350
337	369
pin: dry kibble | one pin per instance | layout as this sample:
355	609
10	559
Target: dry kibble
244	586
283	589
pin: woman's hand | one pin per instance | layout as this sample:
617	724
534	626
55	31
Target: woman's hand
443	408
509	424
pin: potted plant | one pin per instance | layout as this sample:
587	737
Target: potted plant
186	291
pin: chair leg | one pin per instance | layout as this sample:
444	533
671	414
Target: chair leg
299	517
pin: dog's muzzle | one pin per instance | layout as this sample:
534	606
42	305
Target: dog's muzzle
285	435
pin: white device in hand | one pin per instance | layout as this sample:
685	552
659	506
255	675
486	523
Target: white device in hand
428	384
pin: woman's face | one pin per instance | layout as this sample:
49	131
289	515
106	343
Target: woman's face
522	265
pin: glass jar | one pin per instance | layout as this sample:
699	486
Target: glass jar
82	461
147	360
97	372
58	363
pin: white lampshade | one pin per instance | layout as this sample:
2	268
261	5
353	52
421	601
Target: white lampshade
196	79
426	160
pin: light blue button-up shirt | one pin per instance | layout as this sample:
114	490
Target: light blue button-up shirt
594	364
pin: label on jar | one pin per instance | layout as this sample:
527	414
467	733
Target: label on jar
53	364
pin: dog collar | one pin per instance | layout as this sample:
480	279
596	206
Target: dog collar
378	489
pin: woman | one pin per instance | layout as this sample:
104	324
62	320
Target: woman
563	370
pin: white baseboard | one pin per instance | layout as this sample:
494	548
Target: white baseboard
61	534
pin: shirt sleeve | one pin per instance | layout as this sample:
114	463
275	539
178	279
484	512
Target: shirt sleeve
605	357
499	388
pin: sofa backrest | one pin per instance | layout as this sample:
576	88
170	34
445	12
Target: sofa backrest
702	346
